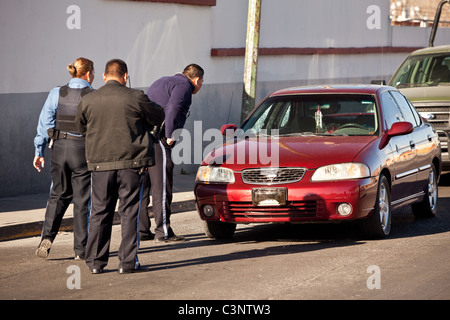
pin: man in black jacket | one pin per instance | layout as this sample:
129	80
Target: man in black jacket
116	121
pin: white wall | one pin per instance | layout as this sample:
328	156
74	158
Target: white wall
154	39
157	39
314	24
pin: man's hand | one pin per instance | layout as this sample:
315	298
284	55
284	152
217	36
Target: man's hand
38	163
170	141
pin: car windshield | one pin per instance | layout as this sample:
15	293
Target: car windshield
424	70
324	114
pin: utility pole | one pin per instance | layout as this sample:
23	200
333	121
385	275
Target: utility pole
437	16
251	57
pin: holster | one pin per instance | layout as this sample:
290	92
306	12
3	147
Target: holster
157	131
53	133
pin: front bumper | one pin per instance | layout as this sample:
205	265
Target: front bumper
306	201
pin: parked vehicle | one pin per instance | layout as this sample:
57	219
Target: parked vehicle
424	78
344	153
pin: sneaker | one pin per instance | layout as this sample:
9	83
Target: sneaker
44	248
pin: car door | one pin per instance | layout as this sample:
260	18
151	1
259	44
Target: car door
402	153
422	138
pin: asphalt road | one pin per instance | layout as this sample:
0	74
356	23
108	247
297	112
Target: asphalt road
262	262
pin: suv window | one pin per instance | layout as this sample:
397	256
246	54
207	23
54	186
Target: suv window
424	70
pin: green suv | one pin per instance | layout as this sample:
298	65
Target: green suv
424	78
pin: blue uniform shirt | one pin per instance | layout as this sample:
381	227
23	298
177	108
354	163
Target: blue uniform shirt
174	94
48	115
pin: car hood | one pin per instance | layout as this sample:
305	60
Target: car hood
308	151
427	94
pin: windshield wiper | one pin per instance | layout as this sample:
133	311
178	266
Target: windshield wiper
332	134
293	134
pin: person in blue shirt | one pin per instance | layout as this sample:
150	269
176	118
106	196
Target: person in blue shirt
174	94
70	176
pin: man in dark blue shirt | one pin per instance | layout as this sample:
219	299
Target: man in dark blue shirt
174	94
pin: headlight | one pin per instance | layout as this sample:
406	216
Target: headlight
341	171
210	174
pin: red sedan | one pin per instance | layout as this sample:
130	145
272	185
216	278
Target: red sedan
322	154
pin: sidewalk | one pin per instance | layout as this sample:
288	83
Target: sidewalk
22	216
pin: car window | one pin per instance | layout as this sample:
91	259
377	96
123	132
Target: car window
415	114
404	107
270	117
423	70
391	111
315	114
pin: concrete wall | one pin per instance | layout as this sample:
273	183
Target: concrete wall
157	39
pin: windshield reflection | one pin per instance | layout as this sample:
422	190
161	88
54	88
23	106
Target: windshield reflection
304	115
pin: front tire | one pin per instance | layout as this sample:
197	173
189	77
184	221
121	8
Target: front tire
378	225
219	230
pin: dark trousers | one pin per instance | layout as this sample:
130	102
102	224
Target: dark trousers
71	181
161	181
144	219
107	187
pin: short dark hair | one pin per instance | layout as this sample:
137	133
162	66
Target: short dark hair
193	71
116	67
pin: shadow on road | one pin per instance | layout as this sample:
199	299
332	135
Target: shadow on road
444	179
240	255
297	238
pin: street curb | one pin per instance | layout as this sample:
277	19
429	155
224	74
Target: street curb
33	229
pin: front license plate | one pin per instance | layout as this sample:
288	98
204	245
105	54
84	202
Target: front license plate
269	196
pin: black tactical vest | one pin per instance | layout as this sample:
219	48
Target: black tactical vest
69	98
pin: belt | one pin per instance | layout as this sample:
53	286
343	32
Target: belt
67	135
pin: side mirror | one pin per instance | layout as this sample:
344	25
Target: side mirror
397	129
227	127
400	128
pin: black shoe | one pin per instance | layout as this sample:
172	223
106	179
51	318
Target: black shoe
160	240
145	237
173	238
138	269
96	271
44	248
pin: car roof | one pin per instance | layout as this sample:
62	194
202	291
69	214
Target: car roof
431	50
330	89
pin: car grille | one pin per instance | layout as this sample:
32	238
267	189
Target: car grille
292	211
272	175
440	121
441	116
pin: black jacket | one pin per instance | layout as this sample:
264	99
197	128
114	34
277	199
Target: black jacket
116	121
